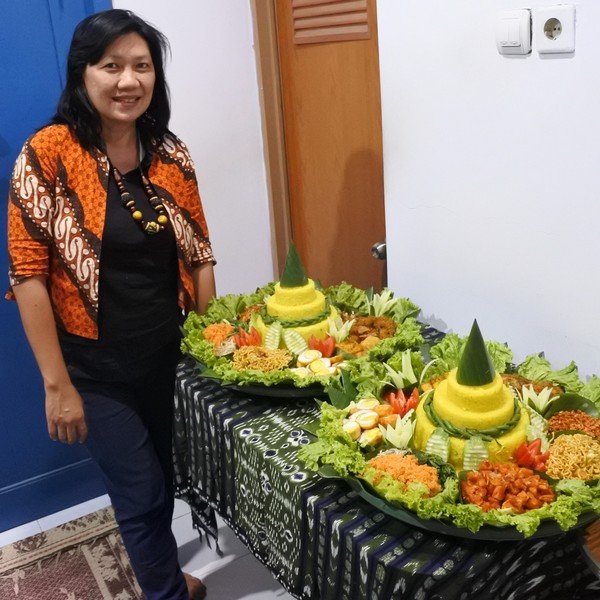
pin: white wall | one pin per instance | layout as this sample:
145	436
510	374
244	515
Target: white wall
216	111
492	176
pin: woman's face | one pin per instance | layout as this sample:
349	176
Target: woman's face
121	83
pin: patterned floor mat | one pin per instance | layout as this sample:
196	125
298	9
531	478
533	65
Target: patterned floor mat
83	559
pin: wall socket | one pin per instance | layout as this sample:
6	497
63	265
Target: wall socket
554	29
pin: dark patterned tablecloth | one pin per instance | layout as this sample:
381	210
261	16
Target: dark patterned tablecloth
236	454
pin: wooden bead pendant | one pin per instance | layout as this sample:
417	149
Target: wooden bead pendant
150	227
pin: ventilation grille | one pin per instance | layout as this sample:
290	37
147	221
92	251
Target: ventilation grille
318	21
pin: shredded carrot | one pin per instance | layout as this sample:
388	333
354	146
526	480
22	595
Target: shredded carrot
406	469
217	333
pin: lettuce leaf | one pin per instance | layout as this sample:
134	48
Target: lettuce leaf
348	298
537	368
407	336
591	390
500	354
403	309
354	300
367	376
333	446
228	307
448	351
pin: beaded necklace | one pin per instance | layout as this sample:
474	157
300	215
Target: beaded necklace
149	227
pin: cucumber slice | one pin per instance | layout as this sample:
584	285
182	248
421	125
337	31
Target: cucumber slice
407	369
438	444
474	453
273	336
294	341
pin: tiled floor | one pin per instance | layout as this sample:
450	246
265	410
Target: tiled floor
237	575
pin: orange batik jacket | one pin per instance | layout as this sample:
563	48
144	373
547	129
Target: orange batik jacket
56	211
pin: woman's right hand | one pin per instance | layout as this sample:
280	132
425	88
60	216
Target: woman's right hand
64	406
65	414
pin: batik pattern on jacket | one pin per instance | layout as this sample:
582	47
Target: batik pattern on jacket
56	212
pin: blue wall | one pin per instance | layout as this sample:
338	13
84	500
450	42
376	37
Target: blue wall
37	476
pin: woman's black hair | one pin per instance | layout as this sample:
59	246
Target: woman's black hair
90	40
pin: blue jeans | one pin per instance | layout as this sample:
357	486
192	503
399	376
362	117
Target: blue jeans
129	414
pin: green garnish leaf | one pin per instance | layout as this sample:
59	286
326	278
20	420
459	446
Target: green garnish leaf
294	274
312	427
209	374
475	367
341	392
571	402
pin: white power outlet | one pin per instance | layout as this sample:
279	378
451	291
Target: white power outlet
554	29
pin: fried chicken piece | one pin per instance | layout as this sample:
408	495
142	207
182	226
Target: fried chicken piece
519	382
369	342
381	327
351	347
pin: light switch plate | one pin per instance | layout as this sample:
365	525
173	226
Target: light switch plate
554	29
513	31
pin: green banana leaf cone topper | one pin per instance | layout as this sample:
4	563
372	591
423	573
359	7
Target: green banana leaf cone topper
294	274
475	366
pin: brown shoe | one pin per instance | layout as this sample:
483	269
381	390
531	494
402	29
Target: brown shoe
196	589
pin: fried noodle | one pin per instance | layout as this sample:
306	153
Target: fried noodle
574	456
257	358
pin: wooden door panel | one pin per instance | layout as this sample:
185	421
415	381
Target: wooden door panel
332	124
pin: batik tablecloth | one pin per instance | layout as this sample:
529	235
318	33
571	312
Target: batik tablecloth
236	454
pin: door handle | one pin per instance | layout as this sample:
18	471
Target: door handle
379	250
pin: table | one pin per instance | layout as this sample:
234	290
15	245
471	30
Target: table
236	454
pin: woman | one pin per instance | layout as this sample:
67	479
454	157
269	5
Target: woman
108	246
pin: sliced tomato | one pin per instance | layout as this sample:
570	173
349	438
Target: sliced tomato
536	446
521	453
530	455
247	338
400	403
325	346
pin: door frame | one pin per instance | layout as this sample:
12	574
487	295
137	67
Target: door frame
267	61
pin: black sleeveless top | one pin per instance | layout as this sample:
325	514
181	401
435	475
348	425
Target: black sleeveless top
138	274
138	312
